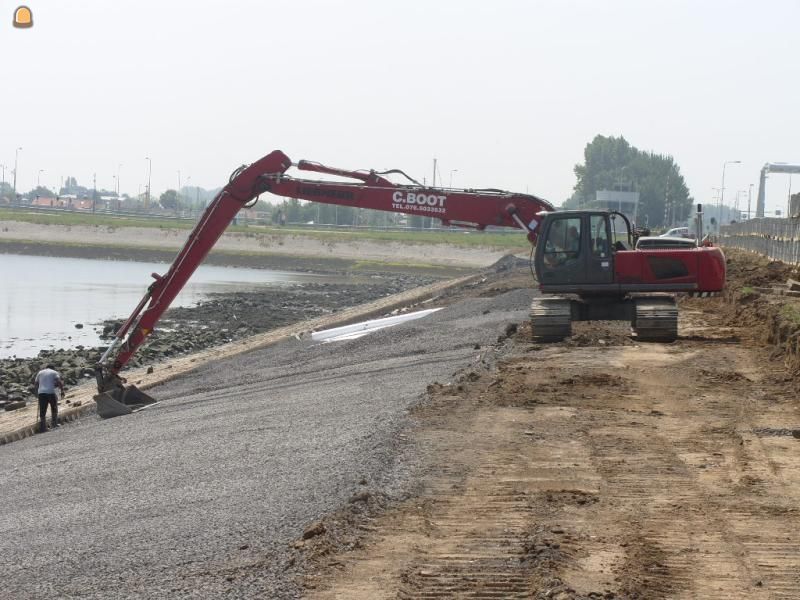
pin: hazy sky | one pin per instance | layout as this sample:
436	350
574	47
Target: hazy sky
507	93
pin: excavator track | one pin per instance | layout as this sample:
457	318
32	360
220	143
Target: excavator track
551	319
656	319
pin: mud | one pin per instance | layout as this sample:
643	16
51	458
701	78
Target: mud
755	305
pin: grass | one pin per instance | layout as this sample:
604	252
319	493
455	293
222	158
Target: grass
747	291
457	237
791	313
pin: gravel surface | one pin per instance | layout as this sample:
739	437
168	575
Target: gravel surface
203	494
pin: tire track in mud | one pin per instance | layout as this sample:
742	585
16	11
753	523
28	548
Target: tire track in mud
644	471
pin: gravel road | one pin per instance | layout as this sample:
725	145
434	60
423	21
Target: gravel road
202	495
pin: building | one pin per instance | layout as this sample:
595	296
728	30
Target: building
625	202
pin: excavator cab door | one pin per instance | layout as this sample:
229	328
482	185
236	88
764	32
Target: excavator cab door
600	258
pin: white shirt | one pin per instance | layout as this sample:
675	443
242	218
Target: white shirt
47	380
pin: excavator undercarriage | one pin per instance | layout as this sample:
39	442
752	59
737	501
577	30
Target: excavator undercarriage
653	318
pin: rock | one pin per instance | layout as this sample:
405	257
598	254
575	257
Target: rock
149	370
77	403
360	497
78	325
16	405
313	530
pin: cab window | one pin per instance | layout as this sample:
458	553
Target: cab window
600	243
563	241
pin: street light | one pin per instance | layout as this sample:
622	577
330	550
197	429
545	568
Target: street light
722	190
39	177
149	173
16	159
451	176
119	166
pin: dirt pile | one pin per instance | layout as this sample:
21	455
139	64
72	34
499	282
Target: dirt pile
754	299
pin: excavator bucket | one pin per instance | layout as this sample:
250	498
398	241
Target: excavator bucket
122	401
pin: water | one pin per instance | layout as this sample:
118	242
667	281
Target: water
42	298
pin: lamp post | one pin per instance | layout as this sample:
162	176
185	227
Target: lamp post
451	176
749	198
39	178
16	160
722	190
119	166
149	173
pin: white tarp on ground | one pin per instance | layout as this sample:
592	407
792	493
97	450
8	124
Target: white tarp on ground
351	332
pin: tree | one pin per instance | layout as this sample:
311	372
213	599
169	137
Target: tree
39	192
613	164
169	200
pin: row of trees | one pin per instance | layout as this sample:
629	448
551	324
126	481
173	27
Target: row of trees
611	163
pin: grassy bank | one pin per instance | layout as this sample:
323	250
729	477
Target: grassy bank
511	242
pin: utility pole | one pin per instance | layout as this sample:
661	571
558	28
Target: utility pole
722	192
430	221
149	173
94	191
16	161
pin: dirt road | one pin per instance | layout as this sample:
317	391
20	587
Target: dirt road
596	468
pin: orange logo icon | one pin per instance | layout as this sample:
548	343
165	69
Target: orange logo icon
23	17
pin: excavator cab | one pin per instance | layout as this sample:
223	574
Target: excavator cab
576	250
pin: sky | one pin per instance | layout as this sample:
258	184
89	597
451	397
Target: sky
504	94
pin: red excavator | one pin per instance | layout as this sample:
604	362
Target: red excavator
585	268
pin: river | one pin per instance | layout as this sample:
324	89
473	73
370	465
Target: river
51	302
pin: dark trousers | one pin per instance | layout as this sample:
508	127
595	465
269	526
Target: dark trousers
44	400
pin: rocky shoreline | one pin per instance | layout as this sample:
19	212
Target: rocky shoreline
220	319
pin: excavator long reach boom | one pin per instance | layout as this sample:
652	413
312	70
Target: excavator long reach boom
465	208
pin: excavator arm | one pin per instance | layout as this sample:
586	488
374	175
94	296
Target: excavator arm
465	208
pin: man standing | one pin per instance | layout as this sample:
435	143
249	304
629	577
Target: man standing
47	380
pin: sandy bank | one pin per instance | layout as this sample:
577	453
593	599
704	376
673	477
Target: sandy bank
267	244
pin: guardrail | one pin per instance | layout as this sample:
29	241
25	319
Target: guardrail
777	239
